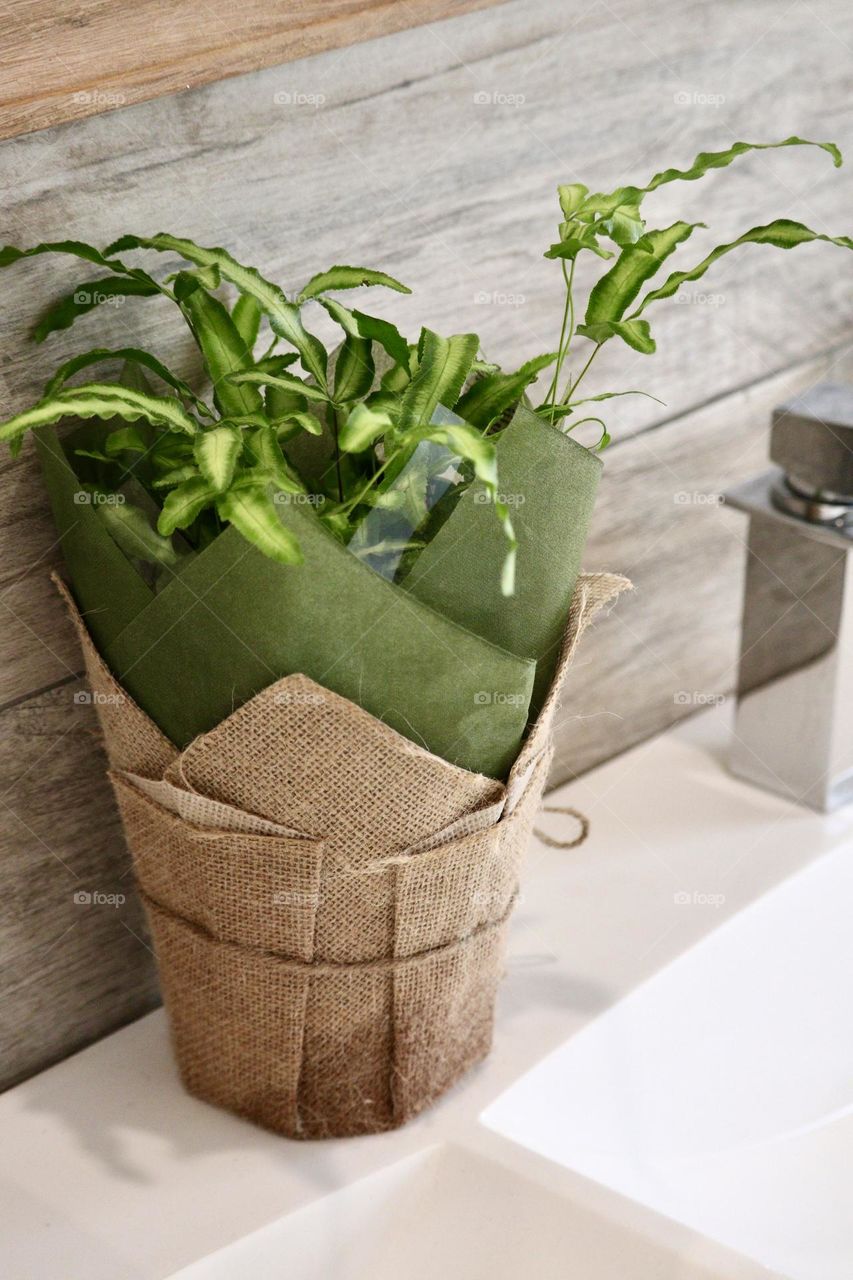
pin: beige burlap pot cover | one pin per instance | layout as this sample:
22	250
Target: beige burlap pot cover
327	900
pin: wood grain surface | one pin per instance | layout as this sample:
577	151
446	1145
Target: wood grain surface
76	959
68	59
433	154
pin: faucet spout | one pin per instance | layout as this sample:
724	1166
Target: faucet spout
794	722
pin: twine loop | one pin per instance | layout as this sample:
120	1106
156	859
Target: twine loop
551	841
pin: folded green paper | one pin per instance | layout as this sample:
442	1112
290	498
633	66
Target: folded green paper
444	658
233	622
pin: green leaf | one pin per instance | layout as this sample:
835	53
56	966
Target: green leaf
66	311
274	364
247	318
95	454
604	439
354	370
266	450
135	356
468	443
571	247
294	422
87	296
184	504
282	402
129	527
618	287
508	571
571	197
464	442
125	440
604	204
781	234
363	326
492	395
78	249
362	429
337	522
223	350
171	450
610	395
132	376
244	420
187	282
283	316
625	226
209	277
216	452
636	333
554	413
348	278
444	366
253	513
395	380
286	381
707	160
174	477
9	254
101	400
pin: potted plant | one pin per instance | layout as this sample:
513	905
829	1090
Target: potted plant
327	602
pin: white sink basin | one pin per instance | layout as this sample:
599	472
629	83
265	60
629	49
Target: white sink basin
720	1093
442	1212
461	1214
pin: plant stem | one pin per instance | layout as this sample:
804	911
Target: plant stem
569	279
354	502
571	387
332	419
568	319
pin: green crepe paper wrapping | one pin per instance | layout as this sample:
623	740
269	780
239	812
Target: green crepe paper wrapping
445	659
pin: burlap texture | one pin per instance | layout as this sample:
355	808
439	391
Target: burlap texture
328	900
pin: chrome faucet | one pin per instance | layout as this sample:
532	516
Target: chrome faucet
794	722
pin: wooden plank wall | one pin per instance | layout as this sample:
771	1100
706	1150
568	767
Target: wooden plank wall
68	59
434	154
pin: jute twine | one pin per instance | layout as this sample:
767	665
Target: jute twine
327	900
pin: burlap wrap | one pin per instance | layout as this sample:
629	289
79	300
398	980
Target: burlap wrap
327	900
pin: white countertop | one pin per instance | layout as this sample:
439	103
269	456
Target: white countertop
109	1171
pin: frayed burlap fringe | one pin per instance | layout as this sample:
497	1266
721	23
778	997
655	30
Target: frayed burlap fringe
327	900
